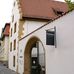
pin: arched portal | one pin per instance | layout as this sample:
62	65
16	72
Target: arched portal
34	57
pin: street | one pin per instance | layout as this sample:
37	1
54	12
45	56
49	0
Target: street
4	70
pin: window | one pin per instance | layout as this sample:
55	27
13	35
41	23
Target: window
14	61
14	27
49	37
11	31
11	46
15	44
58	12
14	3
0	44
13	18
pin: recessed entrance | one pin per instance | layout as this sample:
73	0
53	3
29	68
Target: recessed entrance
34	57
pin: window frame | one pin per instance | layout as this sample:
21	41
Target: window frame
52	31
14	61
10	46
15	27
50	38
11	32
14	44
13	18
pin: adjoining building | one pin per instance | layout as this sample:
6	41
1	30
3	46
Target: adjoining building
4	44
27	17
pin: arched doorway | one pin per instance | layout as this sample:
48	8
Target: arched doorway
34	57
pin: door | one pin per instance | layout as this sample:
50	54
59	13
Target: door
35	67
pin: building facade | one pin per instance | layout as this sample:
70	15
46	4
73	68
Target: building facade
13	40
5	44
27	17
56	39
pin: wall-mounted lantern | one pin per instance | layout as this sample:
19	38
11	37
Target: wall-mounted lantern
51	36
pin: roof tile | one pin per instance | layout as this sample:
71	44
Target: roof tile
42	9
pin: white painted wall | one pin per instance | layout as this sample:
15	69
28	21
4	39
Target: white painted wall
30	26
12	53
58	60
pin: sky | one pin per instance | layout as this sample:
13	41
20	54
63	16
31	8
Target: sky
6	12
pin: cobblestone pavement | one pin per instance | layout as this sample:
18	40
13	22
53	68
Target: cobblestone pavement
4	70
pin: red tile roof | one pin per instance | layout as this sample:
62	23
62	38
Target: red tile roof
6	29
42	9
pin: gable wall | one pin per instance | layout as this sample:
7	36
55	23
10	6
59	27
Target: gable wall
16	14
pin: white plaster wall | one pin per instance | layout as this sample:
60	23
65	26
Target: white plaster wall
30	26
58	60
12	53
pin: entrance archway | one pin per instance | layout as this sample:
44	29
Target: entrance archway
28	56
